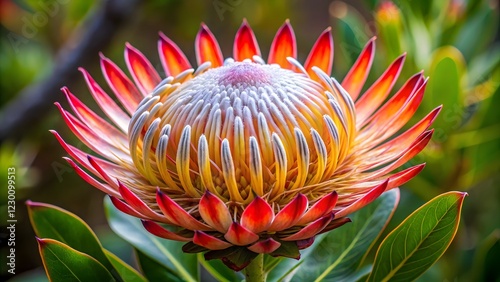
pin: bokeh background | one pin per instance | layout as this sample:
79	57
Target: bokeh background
455	42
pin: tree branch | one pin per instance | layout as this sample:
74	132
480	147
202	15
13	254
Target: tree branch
33	102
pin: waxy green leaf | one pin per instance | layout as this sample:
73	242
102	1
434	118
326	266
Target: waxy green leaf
445	88
127	273
52	222
154	271
63	263
219	270
419	241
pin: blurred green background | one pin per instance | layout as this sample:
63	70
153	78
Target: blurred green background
455	42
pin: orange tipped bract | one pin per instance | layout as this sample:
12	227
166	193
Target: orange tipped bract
243	156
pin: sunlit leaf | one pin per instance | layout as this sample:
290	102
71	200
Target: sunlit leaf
52	222
127	273
155	271
484	259
468	40
219	270
63	263
419	241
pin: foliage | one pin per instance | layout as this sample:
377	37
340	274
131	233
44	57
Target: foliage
442	39
456	44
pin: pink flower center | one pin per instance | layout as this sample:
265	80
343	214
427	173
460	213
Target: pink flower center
244	74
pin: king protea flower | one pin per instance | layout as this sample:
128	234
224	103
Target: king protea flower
240	156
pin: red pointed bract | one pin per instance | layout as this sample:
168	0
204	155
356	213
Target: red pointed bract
207	48
157	230
81	158
266	246
120	84
257	216
172	58
306	243
177	215
203	239
320	208
396	122
245	45
336	224
125	208
112	182
405	113
87	116
321	55
97	143
284	45
310	230
290	214
143	73
363	201
391	107
376	94
108	106
92	181
407	154
214	212
356	77
416	145
404	176
239	235
136	203
405	139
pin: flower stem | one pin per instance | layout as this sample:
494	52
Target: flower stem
254	272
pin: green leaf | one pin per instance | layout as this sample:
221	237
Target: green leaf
219	270
52	222
63	263
485	250
165	252
419	49
127	273
360	275
338	254
281	268
419	241
445	88
155	271
471	42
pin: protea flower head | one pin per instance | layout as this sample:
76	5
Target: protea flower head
240	156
